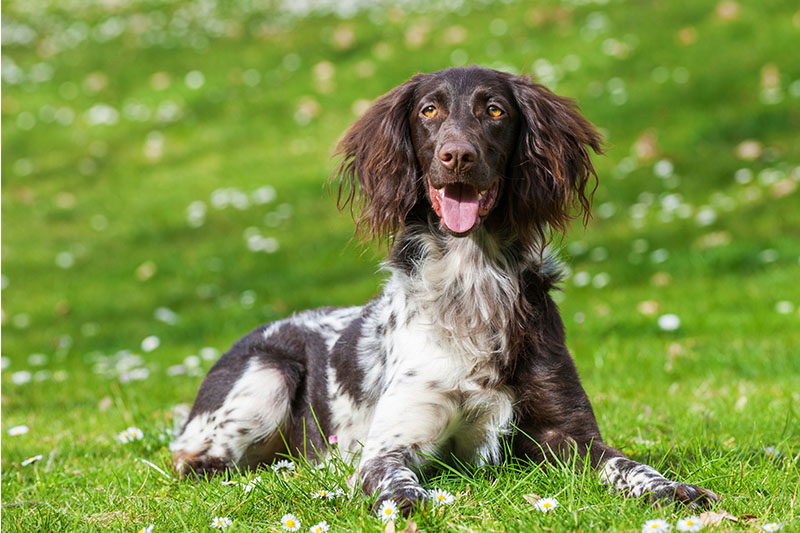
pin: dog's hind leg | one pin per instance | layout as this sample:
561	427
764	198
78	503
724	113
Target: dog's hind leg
241	412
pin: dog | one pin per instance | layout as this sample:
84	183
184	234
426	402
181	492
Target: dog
467	174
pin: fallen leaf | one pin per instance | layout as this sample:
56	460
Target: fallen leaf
411	527
389	528
531	498
714	518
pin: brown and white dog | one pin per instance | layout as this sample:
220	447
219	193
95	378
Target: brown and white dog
468	172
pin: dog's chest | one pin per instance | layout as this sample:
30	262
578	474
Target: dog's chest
429	363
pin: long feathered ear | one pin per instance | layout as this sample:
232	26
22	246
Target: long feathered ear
379	157
551	167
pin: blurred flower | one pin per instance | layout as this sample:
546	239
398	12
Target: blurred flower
772	526
669	322
283	466
194	80
18	430
31	460
129	435
148	529
771	452
749	150
691	523
221	522
319	528
150	343
656	526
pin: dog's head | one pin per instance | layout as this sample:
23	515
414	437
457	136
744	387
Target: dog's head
474	147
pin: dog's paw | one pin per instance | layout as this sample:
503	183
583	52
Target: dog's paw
692	496
198	466
407	499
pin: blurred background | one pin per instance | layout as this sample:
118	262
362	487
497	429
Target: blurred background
164	168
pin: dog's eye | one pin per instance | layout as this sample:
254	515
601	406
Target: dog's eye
430	111
494	111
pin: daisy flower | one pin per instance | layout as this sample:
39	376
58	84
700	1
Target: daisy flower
321	493
251	484
770	451
129	435
290	522
772	526
691	523
148	529
221	522
30	460
333	440
333	494
546	504
388	511
283	466
320	528
18	430
226	483
656	526
441	497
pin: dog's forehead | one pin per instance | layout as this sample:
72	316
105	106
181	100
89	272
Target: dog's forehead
464	81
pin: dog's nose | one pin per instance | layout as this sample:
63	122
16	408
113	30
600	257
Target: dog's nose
457	155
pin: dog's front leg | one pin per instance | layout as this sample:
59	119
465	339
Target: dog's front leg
407	425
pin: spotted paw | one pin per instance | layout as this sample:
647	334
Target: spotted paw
690	495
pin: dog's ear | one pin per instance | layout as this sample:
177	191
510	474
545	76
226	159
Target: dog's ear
551	167
378	175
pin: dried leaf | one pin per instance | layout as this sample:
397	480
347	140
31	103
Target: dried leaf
411	527
389	528
714	518
531	498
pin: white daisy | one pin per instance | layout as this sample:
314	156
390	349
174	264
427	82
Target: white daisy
18	430
333	494
546	505
290	522
656	526
441	497
772	526
320	528
148	529
251	484
30	460
283	466
221	522
388	511
226	483
129	435
321	493
691	523
770	451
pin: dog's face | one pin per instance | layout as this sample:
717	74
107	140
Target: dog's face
480	148
464	131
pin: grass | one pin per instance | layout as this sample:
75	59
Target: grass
111	236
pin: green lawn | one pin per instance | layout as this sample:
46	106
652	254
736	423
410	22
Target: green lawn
163	170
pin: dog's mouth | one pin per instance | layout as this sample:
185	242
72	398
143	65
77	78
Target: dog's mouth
460	205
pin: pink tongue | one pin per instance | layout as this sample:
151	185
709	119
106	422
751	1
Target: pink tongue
459	207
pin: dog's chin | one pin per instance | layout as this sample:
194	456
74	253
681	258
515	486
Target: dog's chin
461	207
